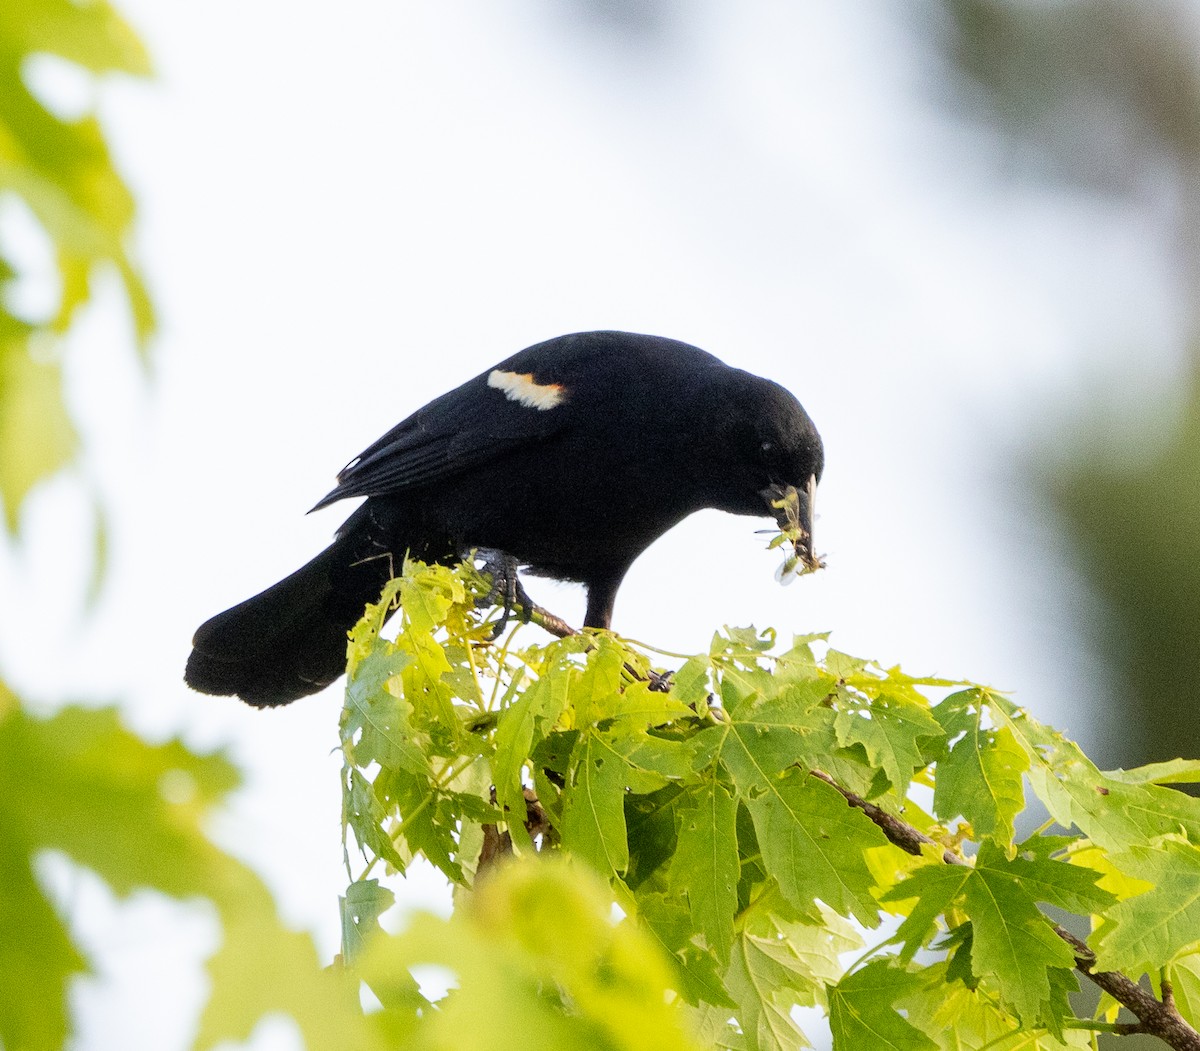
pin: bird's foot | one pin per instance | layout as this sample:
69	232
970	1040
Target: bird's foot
507	592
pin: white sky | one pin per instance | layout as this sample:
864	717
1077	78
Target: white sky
344	215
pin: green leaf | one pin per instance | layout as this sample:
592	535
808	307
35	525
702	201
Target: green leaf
93	36
690	685
980	778
37	437
1171	772
429	819
593	823
1142	934
958	1018
595	693
669	922
760	978
705	867
362	905
521	728
376	724
262	968
427	595
37	956
934	888
893	732
1013	941
812	841
862	1015
365	815
638	708
1184	976
1113	814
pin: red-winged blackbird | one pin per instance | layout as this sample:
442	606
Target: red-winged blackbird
570	457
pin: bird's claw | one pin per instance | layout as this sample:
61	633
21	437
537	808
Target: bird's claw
507	591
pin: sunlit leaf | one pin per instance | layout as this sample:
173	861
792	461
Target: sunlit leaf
37	437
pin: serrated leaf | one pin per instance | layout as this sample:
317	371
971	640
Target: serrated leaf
933	888
705	868
669	922
690	685
366	816
958	1018
1073	887
638	708
1012	940
595	693
429	819
862	1015
426	598
1112	814
980	778
426	688
593	822
812	841
762	986
376	724
1142	934
894	735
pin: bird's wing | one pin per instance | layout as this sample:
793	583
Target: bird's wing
486	418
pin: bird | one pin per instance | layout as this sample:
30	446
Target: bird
568	458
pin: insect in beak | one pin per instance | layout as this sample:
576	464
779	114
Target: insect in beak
793	511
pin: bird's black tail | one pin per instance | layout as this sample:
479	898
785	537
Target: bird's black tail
290	640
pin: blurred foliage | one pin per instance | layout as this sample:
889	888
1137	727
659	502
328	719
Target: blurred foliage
538	961
1103	96
59	170
134	813
1101	91
76	784
1136	529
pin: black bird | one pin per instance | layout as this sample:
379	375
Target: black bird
570	457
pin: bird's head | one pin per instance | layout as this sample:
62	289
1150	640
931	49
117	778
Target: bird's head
778	458
794	458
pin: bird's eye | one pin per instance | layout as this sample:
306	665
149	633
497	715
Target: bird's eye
767	446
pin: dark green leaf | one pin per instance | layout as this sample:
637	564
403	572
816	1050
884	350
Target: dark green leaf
862	1015
706	867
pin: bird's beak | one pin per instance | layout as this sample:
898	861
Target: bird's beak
792	508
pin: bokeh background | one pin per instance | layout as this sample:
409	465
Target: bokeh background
963	232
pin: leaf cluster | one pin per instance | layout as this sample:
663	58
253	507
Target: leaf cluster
719	813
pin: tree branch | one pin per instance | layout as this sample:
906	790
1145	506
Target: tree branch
1158	1018
1155	1017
